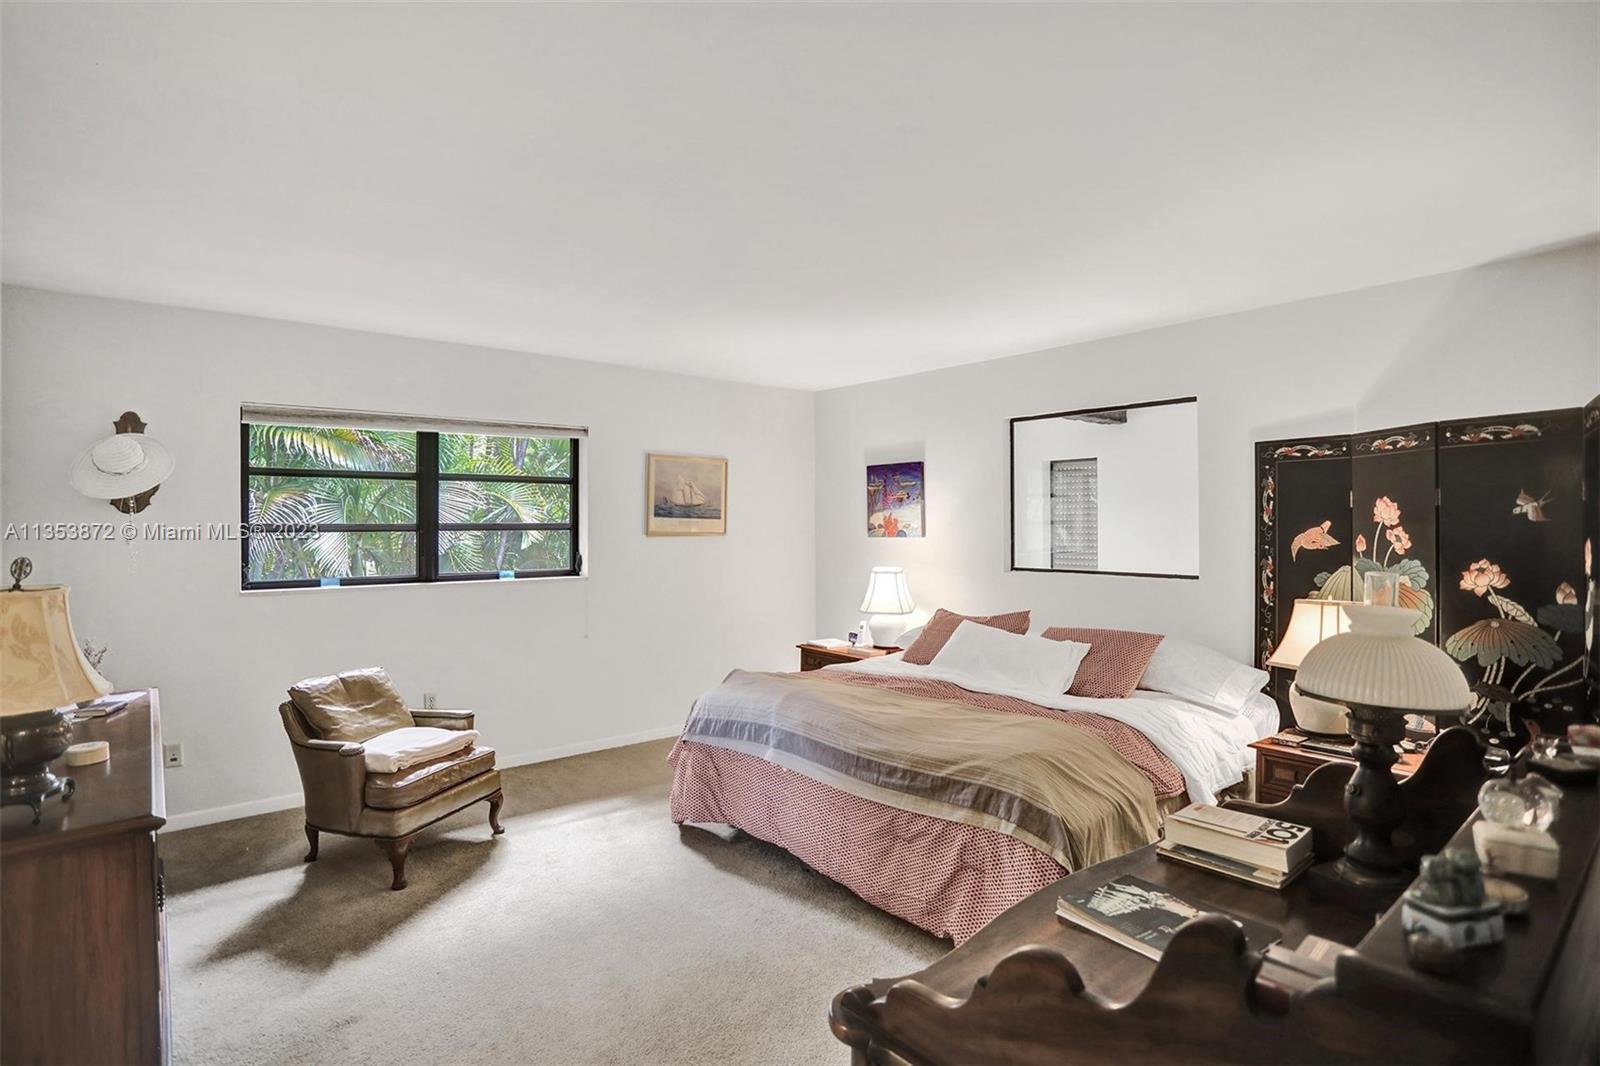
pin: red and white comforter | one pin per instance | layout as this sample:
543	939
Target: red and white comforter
949	878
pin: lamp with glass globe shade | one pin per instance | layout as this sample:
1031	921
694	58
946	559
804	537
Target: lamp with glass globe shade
1381	671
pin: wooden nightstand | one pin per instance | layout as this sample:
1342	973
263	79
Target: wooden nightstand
815	656
1280	767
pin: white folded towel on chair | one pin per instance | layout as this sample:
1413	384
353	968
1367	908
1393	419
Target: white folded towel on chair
400	748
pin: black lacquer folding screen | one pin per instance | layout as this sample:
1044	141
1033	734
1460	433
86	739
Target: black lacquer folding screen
1514	619
1394	507
1302	528
1485	522
1591	550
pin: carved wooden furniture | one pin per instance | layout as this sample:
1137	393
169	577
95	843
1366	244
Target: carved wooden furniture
816	656
1280	767
1030	988
83	962
388	808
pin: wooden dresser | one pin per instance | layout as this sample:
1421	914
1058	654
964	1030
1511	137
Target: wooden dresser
1030	989
83	967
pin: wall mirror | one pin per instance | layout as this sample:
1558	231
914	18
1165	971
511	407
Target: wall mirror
1108	490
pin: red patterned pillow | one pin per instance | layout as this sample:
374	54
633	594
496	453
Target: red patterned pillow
943	623
1116	661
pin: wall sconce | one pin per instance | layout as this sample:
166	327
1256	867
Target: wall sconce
125	468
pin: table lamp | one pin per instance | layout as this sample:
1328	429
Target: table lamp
887	602
1381	672
42	674
1312	622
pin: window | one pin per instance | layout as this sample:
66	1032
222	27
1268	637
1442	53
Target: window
1075	514
336	505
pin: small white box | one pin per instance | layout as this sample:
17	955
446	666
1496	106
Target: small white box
1510	849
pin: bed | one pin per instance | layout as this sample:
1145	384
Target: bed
1021	790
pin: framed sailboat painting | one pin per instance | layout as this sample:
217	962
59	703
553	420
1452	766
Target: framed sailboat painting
688	496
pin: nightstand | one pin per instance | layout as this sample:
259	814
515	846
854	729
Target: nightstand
815	656
1281	766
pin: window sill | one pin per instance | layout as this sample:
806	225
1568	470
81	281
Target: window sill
556	578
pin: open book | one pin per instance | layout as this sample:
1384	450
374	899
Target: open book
1143	916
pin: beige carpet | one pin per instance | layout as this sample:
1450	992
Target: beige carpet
594	930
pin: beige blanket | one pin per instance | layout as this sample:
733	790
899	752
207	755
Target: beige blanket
1058	788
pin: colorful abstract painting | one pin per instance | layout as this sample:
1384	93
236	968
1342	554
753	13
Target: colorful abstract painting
894	500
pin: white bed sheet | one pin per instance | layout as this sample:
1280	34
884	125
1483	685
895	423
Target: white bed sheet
1210	748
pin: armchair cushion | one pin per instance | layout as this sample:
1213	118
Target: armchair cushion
444	719
353	706
404	788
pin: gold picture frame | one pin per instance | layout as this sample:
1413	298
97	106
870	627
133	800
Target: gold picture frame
685	496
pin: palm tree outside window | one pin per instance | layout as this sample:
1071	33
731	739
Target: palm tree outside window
340	506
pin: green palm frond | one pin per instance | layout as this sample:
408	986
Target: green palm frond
304	495
458	500
332	448
541	456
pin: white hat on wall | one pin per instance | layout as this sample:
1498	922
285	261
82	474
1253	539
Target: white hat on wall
121	465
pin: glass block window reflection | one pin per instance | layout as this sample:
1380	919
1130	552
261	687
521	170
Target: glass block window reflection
1075	514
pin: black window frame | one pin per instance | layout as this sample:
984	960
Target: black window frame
428	528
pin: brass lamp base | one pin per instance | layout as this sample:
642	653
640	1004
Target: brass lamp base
32	742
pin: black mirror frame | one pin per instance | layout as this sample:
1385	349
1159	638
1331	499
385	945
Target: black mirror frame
1011	489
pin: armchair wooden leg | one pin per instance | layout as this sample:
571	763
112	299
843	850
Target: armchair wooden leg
396	850
311	836
495	800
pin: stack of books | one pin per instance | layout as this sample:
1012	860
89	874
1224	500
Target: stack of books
1245	847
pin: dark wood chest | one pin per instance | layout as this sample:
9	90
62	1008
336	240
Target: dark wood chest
83	972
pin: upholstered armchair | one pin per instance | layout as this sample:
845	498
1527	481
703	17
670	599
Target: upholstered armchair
343	796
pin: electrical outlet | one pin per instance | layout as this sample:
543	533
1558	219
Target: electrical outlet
173	754
430	700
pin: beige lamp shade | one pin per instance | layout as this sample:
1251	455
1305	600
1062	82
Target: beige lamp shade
41	663
887	592
1379	663
1312	622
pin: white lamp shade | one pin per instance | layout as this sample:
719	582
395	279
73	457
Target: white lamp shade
887	592
1312	622
1381	664
41	663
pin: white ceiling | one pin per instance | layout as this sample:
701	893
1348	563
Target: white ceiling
807	195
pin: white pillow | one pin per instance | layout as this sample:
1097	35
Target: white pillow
1261	710
412	744
1012	661
1195	672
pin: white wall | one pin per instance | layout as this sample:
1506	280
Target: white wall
1147	470
562	665
1512	336
552	666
